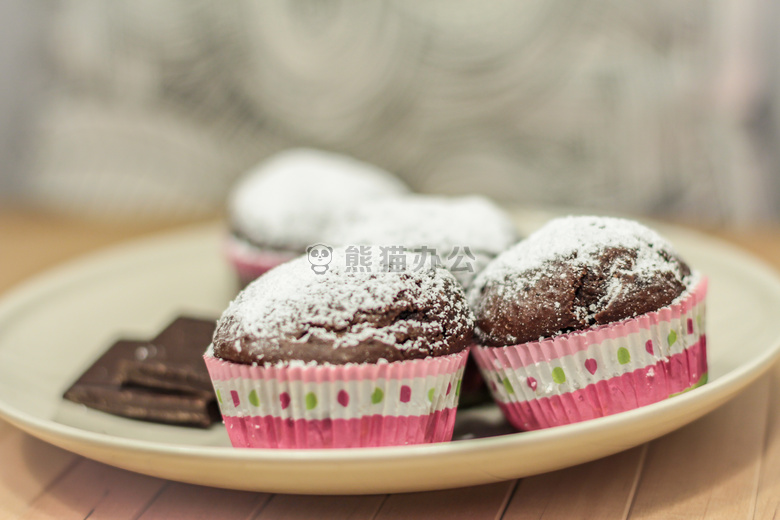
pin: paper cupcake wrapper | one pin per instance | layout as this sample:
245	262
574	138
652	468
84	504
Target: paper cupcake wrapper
602	371
250	262
338	406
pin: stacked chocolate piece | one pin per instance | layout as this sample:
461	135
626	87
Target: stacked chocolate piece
161	380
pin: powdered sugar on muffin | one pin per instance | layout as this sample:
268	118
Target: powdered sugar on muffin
345	316
574	273
285	202
465	233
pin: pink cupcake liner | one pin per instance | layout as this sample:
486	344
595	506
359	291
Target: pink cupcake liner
338	406
250	262
602	371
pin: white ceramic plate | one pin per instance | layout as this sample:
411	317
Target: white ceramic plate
53	327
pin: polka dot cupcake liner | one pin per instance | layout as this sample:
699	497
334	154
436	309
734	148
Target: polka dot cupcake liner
250	262
338	406
601	371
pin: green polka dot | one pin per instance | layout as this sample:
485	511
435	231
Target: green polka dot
672	338
508	386
430	394
624	357
457	388
377	396
219	396
253	398
311	401
702	380
558	375
698	321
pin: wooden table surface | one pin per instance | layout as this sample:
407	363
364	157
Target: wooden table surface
725	465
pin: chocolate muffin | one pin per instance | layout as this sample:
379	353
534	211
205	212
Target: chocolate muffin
344	316
463	233
575	273
588	317
279	208
348	357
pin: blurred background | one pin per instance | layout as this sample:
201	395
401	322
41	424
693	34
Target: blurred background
151	109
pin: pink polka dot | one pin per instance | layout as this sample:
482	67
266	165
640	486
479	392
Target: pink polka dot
649	346
284	398
343	398
234	395
531	382
449	389
690	326
406	394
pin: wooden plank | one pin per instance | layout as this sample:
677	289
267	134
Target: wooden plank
486	502
768	496
761	241
710	468
97	491
33	241
5	428
28	467
292	507
599	489
187	502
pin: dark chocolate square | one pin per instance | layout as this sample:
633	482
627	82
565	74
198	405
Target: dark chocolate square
174	359
163	380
